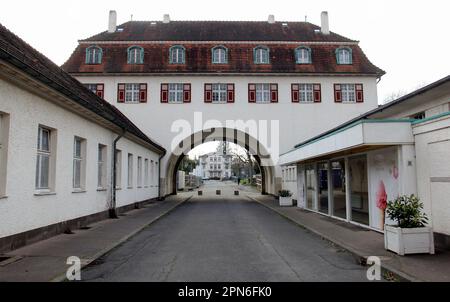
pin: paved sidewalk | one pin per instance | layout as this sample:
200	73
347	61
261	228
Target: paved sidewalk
46	260
363	243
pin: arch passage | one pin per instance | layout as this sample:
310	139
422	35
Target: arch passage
256	149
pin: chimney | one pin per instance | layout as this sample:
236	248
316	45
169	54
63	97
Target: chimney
112	24
325	26
271	19
166	18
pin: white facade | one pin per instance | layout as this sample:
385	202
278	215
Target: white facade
404	148
297	121
215	165
23	207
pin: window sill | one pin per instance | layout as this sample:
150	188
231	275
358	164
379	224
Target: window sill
3	196
118	188
44	193
129	188
78	191
139	187
101	189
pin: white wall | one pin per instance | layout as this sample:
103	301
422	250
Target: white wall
298	122
22	210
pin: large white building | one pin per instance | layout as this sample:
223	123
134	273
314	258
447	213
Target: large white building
58	142
189	79
400	148
215	165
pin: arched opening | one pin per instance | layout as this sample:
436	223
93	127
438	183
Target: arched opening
257	150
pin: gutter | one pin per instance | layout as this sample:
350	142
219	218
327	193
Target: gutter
113	210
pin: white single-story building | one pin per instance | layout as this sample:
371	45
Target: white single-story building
402	147
62	151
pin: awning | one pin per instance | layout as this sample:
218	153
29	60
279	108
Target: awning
360	135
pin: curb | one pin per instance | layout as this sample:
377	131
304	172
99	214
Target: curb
86	262
362	259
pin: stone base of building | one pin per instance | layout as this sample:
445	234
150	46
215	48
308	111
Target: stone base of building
16	241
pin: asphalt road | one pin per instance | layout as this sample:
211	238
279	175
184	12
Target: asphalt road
225	239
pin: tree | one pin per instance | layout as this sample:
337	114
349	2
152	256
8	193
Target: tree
188	165
223	147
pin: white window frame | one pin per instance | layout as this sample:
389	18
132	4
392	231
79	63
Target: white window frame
79	159
132	93
152	173
344	56
94	55
4	133
176	93
139	172
219	93
348	93
43	152
146	173
262	55
219	55
130	171
177	55
101	166
303	55
306	93
262	93
135	55
118	169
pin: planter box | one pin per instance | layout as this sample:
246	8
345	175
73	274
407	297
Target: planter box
409	241
286	201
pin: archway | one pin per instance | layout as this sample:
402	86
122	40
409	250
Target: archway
240	138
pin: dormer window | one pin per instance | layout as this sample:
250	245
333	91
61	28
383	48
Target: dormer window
261	55
135	55
177	54
303	55
94	55
219	55
344	56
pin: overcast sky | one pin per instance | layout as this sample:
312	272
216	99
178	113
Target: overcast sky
408	39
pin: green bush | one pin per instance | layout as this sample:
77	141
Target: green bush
285	193
407	212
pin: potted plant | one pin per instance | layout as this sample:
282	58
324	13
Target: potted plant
410	235
285	198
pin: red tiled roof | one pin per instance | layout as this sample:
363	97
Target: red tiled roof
217	31
240	60
18	53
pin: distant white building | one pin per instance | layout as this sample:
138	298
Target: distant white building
214	165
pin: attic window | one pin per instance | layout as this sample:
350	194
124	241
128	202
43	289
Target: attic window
303	55
135	55
219	55
261	55
344	56
120	29
94	55
284	24
177	54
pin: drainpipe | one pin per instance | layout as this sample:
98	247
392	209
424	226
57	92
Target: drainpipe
113	210
159	177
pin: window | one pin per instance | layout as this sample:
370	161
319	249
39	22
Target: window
175	93
152	173
348	93
262	93
135	55
131	93
177	55
419	116
344	56
306	92
78	163
139	172
303	55
310	187
98	89
219	55
359	192
101	177
43	159
130	170
94	55
118	169
219	93
4	132
146	173
261	55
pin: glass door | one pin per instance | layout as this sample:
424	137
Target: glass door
322	180
338	188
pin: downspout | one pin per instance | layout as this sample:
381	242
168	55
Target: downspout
113	210
159	177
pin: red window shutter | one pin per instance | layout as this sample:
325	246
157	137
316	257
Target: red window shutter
317	93
100	90
142	93
359	93
251	93
208	93
274	93
230	93
295	93
121	93
164	93
187	93
337	93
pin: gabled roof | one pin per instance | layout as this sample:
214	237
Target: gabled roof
217	31
21	55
